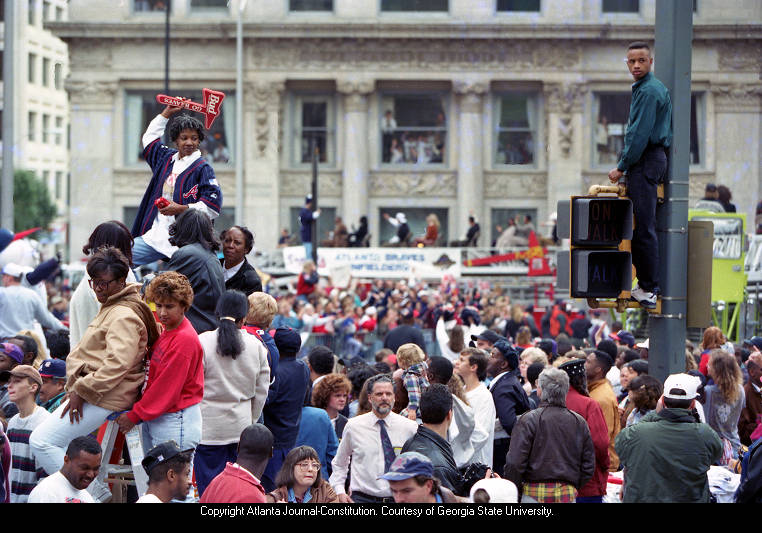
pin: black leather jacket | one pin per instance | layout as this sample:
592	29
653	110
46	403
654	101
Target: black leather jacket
430	444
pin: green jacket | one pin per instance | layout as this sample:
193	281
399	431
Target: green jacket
666	457
650	120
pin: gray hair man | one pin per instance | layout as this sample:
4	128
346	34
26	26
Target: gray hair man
564	460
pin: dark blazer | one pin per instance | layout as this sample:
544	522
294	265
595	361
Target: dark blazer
341	421
510	400
204	273
245	280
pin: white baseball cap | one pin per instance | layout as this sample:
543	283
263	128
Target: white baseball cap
14	270
499	490
681	386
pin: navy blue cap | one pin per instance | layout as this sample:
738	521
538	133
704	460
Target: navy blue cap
407	465
162	453
487	335
508	352
287	340
53	368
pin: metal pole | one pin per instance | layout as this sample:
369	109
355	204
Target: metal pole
674	33
238	154
315	235
166	48
6	198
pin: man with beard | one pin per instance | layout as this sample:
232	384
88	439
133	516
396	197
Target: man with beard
371	441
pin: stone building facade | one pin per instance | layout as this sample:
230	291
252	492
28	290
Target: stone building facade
462	107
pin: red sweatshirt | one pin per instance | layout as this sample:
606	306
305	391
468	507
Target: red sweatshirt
175	375
589	409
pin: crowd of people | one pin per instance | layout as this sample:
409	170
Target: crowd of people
211	373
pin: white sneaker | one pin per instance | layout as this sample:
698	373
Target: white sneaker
644	298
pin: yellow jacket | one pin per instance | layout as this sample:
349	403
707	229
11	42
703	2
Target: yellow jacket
107	367
601	392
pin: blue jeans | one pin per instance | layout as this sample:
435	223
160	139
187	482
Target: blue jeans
183	427
642	180
51	438
307	251
142	254
210	461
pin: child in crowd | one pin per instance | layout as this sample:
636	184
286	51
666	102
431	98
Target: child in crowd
411	360
23	386
170	407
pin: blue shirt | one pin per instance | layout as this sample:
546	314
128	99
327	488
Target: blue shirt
650	120
316	430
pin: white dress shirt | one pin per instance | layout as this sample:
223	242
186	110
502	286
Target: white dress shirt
158	236
361	442
484	410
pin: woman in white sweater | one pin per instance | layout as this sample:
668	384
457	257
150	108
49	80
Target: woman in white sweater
236	381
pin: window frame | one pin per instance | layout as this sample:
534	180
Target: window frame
497	130
412	12
45	129
32	68
445	97
31	122
45	78
622	13
207	10
296	99
499	11
311	11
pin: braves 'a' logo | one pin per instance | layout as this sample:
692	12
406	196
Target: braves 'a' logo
193	192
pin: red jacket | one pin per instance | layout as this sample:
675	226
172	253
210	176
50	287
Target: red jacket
589	409
175	375
234	485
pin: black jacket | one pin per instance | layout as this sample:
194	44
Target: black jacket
204	272
404	334
283	413
245	280
428	443
750	489
341	421
510	400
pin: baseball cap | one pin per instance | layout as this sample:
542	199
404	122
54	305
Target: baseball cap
13	270
160	454
27	371
487	335
287	340
407	465
499	490
756	342
508	352
681	387
53	368
710	187
12	351
643	344
575	367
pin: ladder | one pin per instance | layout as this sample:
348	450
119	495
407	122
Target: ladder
115	473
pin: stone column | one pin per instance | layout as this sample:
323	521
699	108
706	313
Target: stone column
470	183
354	196
262	105
738	137
91	159
564	106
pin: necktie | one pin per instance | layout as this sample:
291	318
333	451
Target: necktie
386	445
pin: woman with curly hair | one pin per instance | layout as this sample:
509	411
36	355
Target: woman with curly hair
331	393
713	339
300	481
170	406
644	392
725	398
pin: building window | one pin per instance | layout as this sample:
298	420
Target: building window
413	128
46	72
1	64
59	185
310	5
517	134
503	219
141	108
58	76
32	126
518	5
32	74
59	131
32	12
315	125
414	5
620	6
45	128
59	14
611	112
416	221
325	223
46	12
209	5
2	10
142	6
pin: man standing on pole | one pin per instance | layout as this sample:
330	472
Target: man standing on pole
644	159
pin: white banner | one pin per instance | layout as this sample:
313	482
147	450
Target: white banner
402	263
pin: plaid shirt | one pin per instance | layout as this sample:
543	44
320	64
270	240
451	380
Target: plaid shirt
552	492
415	383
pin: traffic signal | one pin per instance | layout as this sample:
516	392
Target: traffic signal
598	263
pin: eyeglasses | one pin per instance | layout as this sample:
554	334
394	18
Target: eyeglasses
100	284
308	466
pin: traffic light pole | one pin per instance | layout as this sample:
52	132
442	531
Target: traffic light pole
674	33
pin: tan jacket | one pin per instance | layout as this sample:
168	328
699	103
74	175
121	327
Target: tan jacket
106	368
601	392
323	494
